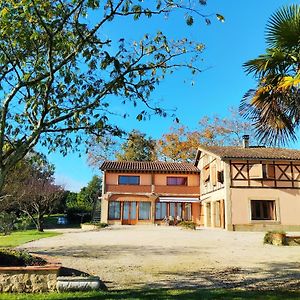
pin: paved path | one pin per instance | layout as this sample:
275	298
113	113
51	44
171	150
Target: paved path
156	256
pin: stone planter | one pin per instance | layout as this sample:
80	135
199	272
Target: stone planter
89	227
278	239
31	279
78	283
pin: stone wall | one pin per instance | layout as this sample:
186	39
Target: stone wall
28	279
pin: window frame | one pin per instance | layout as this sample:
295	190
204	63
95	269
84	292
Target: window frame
113	219
177	177
139	206
129	176
261	208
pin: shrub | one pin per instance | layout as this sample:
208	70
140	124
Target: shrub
187	224
269	236
7	222
10	257
24	223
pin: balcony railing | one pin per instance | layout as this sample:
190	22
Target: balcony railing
128	188
159	189
177	189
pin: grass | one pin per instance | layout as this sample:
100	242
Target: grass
21	237
161	294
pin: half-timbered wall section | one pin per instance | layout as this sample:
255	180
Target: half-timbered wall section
211	174
265	174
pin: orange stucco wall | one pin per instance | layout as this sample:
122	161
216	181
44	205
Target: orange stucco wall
112	178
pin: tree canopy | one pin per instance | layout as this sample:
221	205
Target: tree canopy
59	71
273	106
137	147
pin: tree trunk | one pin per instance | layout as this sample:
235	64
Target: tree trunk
40	223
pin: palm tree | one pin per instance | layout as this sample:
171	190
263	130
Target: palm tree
274	105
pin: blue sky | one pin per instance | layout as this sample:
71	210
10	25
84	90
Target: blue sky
221	85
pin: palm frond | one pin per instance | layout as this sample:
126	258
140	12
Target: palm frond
283	28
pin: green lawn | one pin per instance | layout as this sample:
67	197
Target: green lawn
161	294
21	237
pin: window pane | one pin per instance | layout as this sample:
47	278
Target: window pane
160	210
262	210
176	180
188	212
114	210
179	210
144	210
131	180
172	209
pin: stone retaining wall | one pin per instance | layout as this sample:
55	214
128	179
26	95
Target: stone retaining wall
29	279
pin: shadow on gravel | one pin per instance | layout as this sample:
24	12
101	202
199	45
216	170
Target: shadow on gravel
268	277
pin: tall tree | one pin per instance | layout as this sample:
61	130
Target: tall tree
59	71
273	106
88	195
137	147
181	143
30	188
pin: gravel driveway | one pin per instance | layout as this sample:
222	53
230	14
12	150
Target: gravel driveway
159	256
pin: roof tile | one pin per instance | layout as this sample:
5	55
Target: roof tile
228	152
148	166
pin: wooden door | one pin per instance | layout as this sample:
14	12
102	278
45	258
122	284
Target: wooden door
222	214
129	213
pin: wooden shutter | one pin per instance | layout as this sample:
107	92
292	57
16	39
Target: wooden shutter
256	171
214	175
271	171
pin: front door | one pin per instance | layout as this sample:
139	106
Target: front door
129	213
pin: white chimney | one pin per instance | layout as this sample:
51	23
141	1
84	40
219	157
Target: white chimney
246	141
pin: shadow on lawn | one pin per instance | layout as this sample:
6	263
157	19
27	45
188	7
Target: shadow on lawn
164	294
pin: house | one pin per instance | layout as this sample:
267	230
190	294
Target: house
249	188
147	192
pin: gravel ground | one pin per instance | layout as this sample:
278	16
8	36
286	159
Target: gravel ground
159	256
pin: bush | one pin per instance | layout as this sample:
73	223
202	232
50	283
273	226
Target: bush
9	257
7	222
269	236
187	224
24	223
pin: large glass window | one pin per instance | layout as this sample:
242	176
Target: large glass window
114	210
160	210
144	210
176	180
130	180
262	209
188	212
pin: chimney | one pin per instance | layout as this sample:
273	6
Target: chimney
246	141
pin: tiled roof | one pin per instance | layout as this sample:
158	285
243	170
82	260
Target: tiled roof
228	152
148	166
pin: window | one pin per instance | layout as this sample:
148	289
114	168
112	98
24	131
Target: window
206	175
268	171
176	180
262	209
130	180
221	176
188	212
160	210
114	210
144	210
